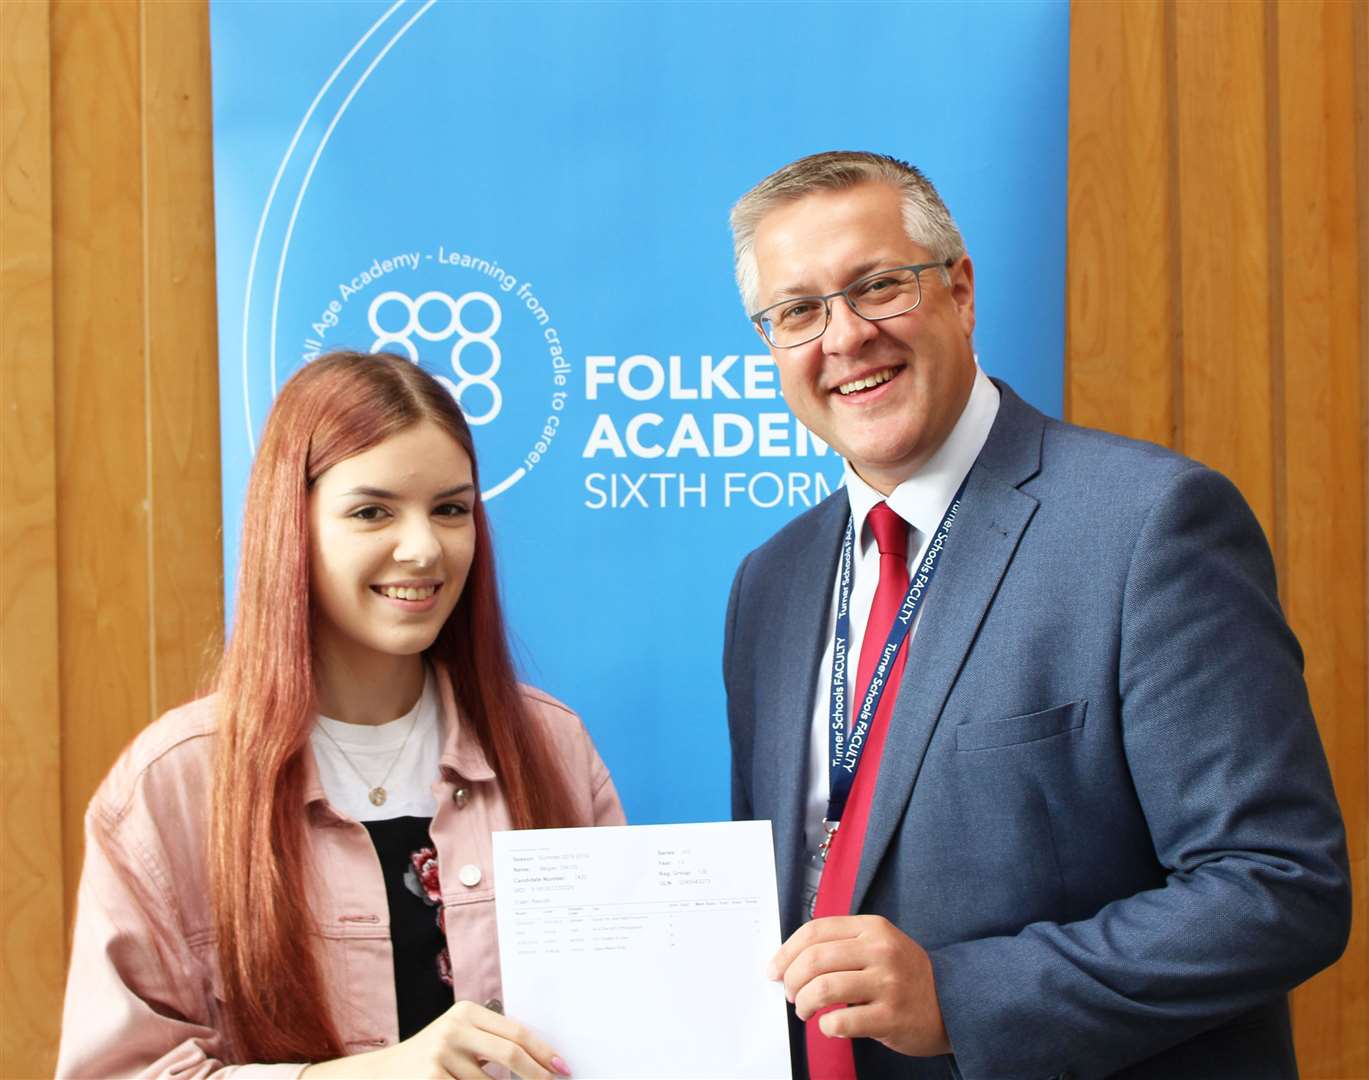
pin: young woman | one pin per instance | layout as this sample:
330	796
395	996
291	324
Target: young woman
294	875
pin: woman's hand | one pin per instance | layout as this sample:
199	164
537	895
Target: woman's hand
456	1044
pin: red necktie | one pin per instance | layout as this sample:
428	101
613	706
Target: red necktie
831	1059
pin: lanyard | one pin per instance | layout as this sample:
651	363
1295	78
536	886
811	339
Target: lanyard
846	751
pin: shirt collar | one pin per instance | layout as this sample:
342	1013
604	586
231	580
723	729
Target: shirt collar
461	750
922	499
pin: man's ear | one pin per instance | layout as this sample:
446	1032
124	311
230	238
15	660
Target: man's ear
962	292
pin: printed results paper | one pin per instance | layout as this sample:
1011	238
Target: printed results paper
639	951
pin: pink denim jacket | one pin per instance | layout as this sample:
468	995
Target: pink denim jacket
144	996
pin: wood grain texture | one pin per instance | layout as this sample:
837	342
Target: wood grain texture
1323	239
101	431
1121	319
31	915
1270	125
1224	249
1329	1010
182	373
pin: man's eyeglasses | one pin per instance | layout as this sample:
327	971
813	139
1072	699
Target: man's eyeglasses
880	295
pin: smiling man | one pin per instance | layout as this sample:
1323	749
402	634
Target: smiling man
1048	796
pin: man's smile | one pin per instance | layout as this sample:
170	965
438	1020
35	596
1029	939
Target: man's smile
868	382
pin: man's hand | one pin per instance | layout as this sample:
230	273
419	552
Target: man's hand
882	976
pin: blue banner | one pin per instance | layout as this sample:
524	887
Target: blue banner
530	200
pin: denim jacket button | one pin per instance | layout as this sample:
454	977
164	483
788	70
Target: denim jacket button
495	1005
461	797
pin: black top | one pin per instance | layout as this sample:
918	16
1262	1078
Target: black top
408	860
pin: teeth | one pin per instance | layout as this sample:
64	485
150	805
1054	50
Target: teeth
404	592
866	383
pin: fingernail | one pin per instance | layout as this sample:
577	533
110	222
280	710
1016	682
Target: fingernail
559	1064
772	972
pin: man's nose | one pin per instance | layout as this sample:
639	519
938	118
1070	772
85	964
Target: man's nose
846	331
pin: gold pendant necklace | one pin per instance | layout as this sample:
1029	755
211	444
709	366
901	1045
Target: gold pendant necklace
376	793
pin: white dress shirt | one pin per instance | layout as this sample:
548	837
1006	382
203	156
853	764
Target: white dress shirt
922	501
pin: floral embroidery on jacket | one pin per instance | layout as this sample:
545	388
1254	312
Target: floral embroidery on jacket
422	879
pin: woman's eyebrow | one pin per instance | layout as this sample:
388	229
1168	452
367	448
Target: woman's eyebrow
383	493
370	493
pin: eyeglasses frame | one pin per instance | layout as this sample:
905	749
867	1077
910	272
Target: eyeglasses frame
943	265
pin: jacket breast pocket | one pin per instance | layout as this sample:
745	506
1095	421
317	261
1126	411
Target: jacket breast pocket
1016	730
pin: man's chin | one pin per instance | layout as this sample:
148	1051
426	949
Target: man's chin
883	473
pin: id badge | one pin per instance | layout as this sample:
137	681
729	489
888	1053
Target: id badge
812	874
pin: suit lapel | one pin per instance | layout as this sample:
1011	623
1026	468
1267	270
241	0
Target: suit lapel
993	516
783	736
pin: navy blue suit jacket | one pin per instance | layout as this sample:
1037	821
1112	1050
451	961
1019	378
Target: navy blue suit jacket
1103	806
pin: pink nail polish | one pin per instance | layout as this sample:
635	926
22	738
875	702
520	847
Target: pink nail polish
559	1064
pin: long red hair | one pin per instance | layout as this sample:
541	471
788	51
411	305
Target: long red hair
334	408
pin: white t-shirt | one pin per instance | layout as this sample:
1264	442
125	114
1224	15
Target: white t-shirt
403	756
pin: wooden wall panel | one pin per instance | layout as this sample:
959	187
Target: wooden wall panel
1122	320
112	572
183	389
31	897
101	418
1323	244
1266	162
111	594
1224	244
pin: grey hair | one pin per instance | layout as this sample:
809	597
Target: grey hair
925	217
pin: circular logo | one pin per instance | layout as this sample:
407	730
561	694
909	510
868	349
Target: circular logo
387	340
479	330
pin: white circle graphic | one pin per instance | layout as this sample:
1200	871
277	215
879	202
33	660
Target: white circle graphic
473	359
